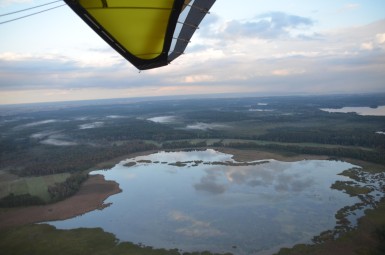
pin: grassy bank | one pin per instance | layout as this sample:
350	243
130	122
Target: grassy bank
46	240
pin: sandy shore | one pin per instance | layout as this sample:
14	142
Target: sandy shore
91	196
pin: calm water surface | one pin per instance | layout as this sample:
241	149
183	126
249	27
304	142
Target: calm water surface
198	204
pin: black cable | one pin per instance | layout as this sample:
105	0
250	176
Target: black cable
1	15
31	14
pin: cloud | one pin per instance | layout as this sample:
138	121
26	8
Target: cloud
265	55
380	38
297	64
198	78
375	43
286	72
367	46
268	25
348	7
53	71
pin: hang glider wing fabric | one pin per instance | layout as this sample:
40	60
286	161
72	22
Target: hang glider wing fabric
148	33
194	17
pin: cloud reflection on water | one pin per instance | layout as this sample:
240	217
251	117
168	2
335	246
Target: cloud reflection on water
274	175
193	227
218	203
209	183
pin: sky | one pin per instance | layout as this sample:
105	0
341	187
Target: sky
250	47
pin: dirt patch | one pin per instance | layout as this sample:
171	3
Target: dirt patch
91	196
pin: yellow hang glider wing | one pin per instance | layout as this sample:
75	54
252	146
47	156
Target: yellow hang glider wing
148	33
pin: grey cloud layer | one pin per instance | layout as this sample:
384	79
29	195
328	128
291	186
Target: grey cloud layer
276	62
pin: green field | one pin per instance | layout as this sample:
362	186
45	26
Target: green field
35	186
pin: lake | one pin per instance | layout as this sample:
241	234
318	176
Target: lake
204	200
379	111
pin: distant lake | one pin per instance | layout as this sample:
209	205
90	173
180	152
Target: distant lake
206	126
203	200
379	111
163	119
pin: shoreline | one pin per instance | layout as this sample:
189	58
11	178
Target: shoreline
251	155
95	190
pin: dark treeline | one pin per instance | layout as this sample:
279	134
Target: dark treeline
46	160
65	189
348	137
59	159
354	153
216	116
183	144
20	200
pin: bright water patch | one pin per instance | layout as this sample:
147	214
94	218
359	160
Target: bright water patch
206	126
203	200
379	111
91	125
163	119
